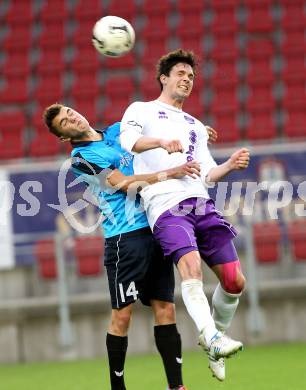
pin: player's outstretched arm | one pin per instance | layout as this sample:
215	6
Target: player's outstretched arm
238	160
118	180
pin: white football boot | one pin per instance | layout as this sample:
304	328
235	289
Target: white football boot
217	367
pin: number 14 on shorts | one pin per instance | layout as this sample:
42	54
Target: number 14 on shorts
130	292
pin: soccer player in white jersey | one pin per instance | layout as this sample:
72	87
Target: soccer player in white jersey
181	214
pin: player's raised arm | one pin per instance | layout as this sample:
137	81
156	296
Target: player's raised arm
238	160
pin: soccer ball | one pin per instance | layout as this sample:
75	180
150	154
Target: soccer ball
113	36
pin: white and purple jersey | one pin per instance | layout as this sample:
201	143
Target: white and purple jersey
160	120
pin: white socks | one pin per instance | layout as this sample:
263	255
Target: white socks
224	307
198	307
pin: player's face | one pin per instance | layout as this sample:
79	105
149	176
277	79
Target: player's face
179	83
70	123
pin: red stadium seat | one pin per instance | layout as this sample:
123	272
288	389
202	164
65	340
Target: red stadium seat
293	50
225	122
11	145
15	90
260	70
86	60
49	90
224	20
260	96
157	7
259	54
224	71
297	233
53	11
12	120
190	26
89	252
151	53
90	10
225	47
51	62
119	86
295	118
155	29
294	86
195	7
125	9
224	96
12	125
36	120
85	86
259	18
261	124
128	61
19	13
189	31
16	65
114	109
257	48
149	87
46	262
18	40
52	36
44	144
267	239
82	33
293	16
194	105
195	45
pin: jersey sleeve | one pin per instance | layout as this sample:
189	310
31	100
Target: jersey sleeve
92	168
90	163
132	124
203	155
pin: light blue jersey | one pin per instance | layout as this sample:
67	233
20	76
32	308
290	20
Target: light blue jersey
93	160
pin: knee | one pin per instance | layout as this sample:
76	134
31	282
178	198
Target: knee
237	285
233	282
120	321
164	312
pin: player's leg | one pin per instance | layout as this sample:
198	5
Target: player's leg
159	292
227	293
126	265
168	341
216	248
116	345
176	235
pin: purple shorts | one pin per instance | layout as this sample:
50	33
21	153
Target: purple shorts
195	224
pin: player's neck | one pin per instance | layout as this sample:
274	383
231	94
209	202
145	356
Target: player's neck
89	135
177	103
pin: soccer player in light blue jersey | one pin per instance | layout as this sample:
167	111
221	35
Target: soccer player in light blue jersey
134	262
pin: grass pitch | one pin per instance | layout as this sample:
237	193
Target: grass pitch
275	367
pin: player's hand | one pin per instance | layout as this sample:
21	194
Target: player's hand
190	168
172	146
240	159
212	134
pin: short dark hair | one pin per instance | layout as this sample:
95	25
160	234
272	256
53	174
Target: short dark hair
49	114
168	61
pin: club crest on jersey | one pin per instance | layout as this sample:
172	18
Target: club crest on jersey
162	115
189	119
